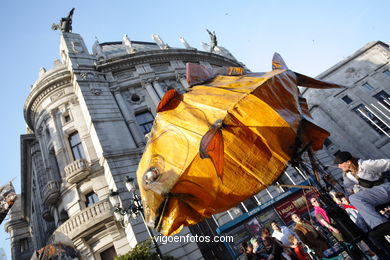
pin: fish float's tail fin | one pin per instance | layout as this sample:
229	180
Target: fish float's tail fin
306	81
278	62
303	80
196	74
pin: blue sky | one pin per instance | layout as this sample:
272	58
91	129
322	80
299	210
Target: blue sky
311	36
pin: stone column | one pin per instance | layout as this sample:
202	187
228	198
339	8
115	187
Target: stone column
180	77
129	117
59	141
149	88
44	155
158	88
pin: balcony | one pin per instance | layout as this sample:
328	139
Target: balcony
76	171
51	192
86	219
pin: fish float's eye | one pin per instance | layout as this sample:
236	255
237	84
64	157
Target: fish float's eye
151	175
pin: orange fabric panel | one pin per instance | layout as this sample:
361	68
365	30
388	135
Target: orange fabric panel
262	117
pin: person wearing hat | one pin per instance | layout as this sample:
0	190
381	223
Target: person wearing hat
374	191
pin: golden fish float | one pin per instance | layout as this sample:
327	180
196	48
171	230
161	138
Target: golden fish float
223	141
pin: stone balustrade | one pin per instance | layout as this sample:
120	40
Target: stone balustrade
86	219
76	171
51	192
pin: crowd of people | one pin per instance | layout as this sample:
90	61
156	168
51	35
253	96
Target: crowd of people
366	200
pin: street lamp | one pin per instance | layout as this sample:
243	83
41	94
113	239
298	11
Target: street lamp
133	210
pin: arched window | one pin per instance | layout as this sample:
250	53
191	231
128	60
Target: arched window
76	146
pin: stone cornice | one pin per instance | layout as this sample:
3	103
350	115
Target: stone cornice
160	56
51	82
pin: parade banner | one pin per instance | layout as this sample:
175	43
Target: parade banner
296	203
7	199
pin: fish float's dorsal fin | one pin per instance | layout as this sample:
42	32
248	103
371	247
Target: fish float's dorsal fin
196	74
167	98
278	62
211	146
309	82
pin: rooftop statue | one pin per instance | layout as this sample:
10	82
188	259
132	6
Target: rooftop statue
213	40
160	42
230	136
65	24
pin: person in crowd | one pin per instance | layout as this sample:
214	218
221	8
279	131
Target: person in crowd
247	249
323	218
298	248
282	233
273	247
374	191
356	218
351	211
309	235
258	250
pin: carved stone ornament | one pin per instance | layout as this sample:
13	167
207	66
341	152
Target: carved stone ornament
160	42
95	90
57	95
180	76
185	43
146	81
166	87
39	131
135	99
77	47
91	76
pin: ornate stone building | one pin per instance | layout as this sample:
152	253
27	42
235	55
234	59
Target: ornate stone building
359	117
87	117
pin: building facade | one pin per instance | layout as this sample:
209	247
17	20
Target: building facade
358	117
87	118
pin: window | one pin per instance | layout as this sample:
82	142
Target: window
23	245
383	98
91	198
54	164
347	99
249	204
367	87
66	118
327	142
108	254
145	121
387	72
47	133
76	146
371	119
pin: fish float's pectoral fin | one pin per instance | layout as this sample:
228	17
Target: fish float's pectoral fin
170	100
278	62
196	74
306	81
211	146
